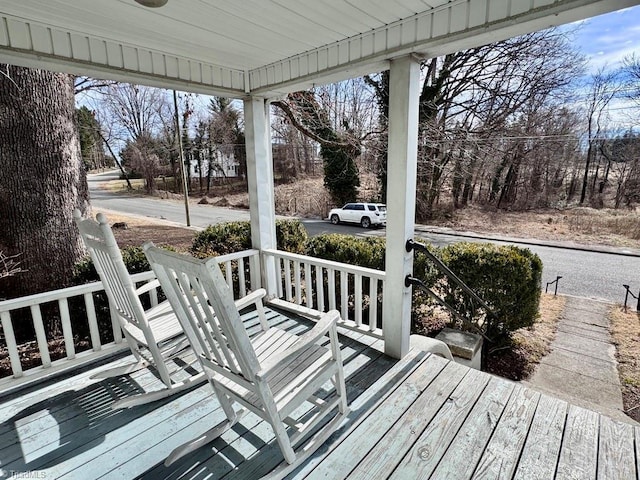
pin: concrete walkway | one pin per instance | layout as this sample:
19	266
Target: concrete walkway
581	367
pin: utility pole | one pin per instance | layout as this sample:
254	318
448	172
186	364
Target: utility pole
185	183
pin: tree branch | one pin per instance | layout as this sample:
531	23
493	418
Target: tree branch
295	121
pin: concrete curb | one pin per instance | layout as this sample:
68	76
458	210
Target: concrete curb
566	245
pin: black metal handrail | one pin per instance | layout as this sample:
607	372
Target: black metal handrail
416	282
551	283
626	297
413	245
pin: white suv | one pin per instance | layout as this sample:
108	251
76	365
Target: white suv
366	214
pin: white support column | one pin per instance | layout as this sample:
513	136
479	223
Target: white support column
404	94
260	181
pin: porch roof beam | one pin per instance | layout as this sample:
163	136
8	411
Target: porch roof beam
87	47
455	26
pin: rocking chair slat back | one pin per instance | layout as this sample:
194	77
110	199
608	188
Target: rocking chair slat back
273	374
109	264
218	332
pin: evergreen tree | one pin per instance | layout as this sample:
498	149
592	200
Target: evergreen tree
91	143
338	154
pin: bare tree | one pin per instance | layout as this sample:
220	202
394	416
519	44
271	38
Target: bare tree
9	266
338	148
135	109
226	139
631	70
473	99
603	87
135	115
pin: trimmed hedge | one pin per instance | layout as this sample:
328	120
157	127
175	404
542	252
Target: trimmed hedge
507	278
232	237
291	236
134	258
221	239
363	252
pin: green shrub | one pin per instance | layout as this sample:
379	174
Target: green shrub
85	272
291	236
364	252
231	237
221	239
507	278
134	258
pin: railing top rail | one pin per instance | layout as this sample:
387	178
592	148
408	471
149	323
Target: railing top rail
53	295
369	272
237	255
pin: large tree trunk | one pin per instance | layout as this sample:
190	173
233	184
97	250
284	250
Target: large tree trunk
42	179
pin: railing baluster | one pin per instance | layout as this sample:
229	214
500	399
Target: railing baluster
357	299
93	322
67	332
254	272
373	303
320	287
298	280
241	280
278	262
331	273
228	273
115	324
287	280
308	285
153	297
41	336
12	346
344	296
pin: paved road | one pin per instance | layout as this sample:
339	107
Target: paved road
585	274
171	210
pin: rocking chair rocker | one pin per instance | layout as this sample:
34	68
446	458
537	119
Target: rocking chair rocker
271	374
155	336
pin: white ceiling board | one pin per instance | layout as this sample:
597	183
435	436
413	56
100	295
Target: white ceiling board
281	45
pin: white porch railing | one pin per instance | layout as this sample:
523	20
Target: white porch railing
307	286
314	285
240	269
56	304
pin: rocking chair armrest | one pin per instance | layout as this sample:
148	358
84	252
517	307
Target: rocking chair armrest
148	287
327	322
253	297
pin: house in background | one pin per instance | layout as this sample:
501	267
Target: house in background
218	162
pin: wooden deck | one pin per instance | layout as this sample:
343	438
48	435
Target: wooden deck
422	417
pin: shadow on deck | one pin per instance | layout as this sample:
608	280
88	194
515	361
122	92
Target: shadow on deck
422	417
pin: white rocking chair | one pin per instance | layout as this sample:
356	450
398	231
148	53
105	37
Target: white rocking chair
154	336
272	373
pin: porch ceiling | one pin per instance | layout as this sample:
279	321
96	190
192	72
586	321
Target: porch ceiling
263	47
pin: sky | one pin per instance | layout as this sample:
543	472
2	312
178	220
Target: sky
607	39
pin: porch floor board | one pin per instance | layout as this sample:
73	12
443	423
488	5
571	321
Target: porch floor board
421	417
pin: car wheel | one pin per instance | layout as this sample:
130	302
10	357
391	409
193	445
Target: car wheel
335	219
365	222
